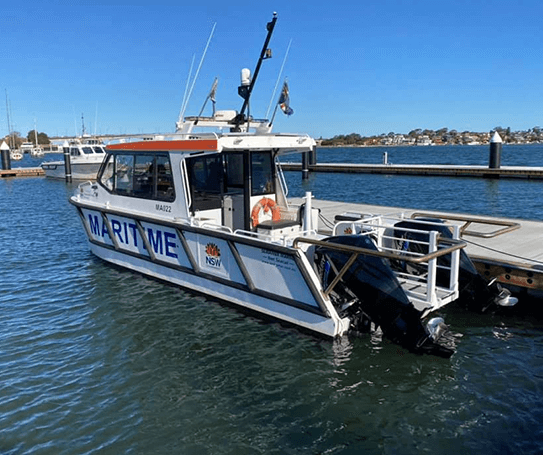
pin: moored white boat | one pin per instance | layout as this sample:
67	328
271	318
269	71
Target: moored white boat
209	212
37	152
16	155
86	156
26	147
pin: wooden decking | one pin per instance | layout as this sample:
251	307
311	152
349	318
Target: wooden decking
22	172
514	257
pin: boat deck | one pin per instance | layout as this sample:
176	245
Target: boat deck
509	249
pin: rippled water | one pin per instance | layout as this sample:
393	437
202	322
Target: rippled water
495	197
96	359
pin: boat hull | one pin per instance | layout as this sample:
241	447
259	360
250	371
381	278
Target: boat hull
80	171
254	275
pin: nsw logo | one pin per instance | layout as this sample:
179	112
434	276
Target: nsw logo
213	255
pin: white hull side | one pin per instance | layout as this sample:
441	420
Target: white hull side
80	171
268	307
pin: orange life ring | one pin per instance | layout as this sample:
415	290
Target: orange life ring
267	204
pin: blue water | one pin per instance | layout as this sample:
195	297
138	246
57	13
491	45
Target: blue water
96	359
495	197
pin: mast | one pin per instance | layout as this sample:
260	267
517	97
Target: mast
245	92
7	115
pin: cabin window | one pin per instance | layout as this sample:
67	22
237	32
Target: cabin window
147	176
87	150
74	151
234	172
106	173
164	179
124	174
262	173
206	181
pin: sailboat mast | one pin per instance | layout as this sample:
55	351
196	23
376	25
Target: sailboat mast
11	139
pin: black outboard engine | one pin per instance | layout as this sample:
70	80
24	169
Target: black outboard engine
378	294
476	292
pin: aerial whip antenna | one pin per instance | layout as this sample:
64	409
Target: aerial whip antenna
186	90
184	107
278	77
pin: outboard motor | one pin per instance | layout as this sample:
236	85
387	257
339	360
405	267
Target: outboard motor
377	296
476	292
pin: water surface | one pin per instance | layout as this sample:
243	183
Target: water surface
96	359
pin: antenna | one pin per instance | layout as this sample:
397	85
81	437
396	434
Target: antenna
96	118
184	107
211	97
278	77
181	112
245	92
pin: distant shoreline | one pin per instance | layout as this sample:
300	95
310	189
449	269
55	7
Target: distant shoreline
423	146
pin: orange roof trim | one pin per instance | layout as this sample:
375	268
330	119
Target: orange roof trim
188	145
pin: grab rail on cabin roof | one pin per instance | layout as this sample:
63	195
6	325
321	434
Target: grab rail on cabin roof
508	225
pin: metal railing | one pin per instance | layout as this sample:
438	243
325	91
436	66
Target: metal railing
508	226
436	250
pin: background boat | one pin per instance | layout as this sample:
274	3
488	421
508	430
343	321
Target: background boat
86	156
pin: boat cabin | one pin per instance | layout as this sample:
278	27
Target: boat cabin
215	181
86	150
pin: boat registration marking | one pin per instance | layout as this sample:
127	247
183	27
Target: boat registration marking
163	208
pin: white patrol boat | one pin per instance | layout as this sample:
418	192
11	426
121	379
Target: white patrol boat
209	212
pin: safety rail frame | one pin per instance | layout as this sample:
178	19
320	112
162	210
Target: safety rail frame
468	220
430	258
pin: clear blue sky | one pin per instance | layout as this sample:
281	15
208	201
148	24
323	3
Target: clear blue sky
368	67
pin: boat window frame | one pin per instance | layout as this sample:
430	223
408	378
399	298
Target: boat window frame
154	182
206	189
266	184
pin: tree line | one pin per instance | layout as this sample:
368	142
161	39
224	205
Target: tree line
14	139
440	136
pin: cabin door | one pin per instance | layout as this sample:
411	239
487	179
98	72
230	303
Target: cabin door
235	212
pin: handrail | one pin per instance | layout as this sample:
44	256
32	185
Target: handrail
509	225
456	245
186	186
282	180
216	227
356	251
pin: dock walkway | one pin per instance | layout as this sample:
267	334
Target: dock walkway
519	172
22	172
509	249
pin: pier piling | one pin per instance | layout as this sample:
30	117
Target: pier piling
67	162
305	165
313	156
6	158
495	151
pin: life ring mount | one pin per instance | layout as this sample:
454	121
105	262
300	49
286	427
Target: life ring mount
265	205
